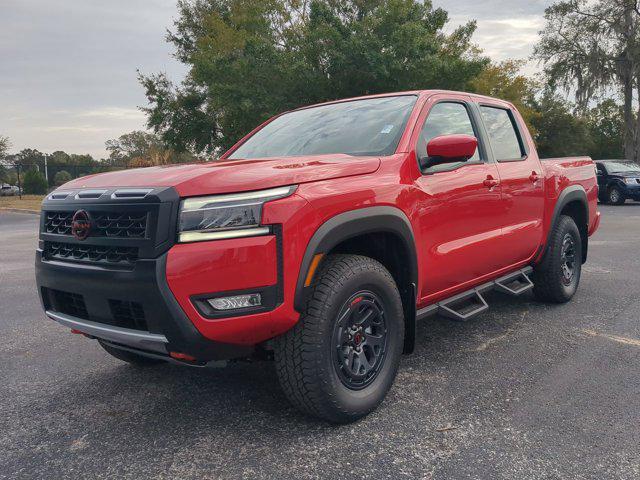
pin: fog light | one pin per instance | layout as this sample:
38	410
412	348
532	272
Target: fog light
237	301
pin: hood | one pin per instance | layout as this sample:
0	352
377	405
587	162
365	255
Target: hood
626	174
228	176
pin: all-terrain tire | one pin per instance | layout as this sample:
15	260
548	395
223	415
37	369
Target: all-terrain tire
307	357
550	277
130	357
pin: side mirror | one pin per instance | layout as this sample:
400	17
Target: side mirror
449	149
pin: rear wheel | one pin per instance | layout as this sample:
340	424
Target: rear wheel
557	277
341	358
130	357
616	197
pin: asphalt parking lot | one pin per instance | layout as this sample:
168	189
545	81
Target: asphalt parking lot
525	391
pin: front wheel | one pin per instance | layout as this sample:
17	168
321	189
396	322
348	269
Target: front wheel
557	277
341	358
616	197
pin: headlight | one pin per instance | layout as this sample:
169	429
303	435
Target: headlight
226	216
631	181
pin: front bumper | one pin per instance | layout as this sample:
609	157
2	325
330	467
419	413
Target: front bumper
131	284
632	191
163	326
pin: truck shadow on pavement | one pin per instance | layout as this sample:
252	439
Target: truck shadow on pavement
177	411
248	392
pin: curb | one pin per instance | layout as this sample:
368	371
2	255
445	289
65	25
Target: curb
20	210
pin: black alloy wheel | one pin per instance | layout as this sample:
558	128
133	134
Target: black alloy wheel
568	259
360	337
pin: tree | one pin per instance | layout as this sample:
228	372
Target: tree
503	80
59	158
62	177
606	127
145	148
560	133
251	59
5	144
29	157
593	46
34	183
10	177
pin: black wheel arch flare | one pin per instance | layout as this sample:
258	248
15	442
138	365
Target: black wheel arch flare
573	193
354	223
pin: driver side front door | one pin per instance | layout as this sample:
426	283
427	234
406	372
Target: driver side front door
460	207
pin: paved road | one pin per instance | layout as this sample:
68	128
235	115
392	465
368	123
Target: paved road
526	391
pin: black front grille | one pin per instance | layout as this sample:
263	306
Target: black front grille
128	314
109	255
104	224
58	222
70	304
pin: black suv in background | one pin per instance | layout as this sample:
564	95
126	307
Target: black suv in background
618	180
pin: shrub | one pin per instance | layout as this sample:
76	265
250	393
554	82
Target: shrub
35	183
61	178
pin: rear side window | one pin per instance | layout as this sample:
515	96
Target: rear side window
504	138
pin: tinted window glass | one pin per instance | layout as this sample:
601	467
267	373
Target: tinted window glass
502	134
360	127
622	167
445	119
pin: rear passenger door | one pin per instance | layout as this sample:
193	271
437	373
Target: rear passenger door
522	182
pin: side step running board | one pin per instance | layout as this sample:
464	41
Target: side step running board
463	307
514	284
467	305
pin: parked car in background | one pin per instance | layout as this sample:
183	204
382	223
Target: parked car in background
7	190
618	180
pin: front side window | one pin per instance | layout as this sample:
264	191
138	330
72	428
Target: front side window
360	127
446	118
502	133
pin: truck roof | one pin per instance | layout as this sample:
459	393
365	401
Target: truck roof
421	93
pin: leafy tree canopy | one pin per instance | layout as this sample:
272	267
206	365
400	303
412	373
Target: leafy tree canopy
591	48
606	124
61	177
5	144
504	80
34	183
250	59
560	133
142	149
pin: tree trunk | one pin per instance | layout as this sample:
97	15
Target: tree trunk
626	76
636	133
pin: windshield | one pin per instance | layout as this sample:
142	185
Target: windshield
621	167
360	127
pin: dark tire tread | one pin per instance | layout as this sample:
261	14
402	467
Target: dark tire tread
298	353
546	276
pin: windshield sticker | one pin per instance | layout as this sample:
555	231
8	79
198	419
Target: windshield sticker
387	129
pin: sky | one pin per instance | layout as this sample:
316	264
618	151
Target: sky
68	68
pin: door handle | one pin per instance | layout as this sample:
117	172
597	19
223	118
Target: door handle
534	177
491	182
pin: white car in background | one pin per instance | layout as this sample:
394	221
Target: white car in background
7	190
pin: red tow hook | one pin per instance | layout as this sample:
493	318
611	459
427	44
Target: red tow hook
183	357
78	332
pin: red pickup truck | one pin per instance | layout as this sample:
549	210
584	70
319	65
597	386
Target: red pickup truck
319	240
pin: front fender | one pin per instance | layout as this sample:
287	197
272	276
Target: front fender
352	224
